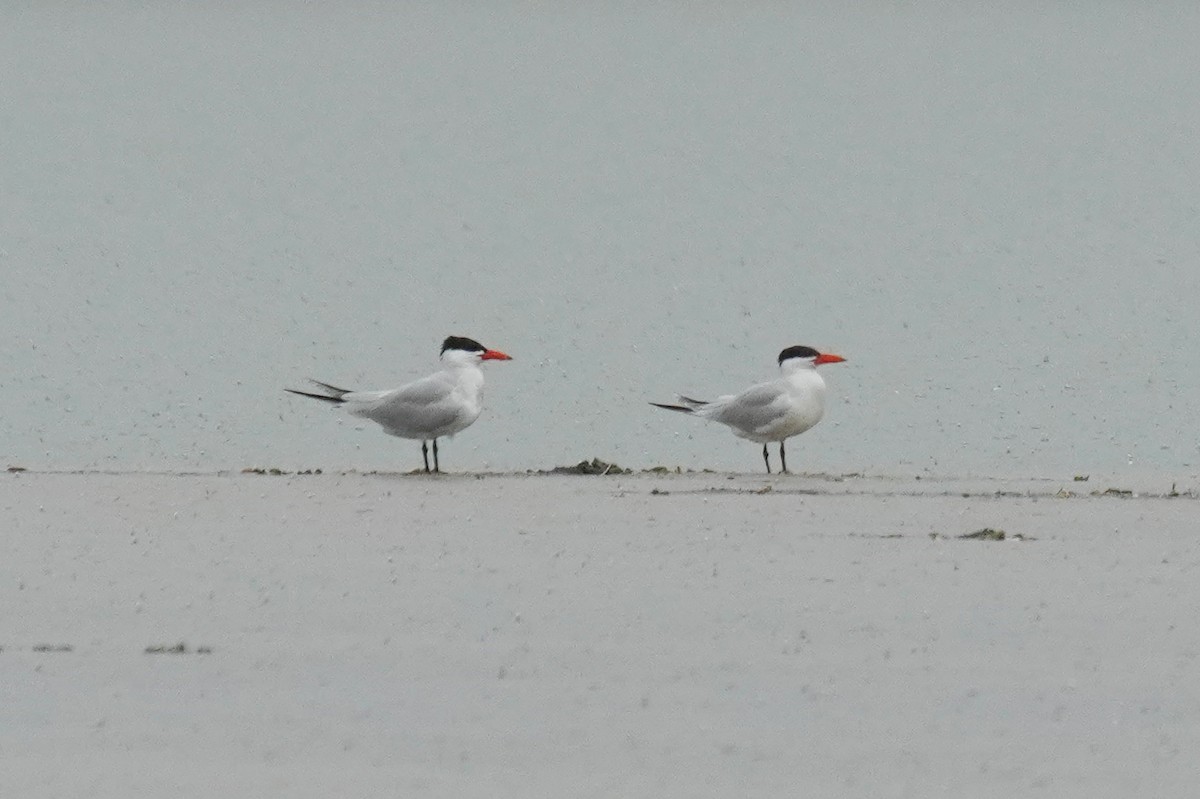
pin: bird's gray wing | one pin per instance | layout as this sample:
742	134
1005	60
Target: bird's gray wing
412	410
749	411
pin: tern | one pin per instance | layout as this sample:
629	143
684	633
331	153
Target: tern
771	411
442	404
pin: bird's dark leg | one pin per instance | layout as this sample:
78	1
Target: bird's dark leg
766	459
782	459
436	467
425	454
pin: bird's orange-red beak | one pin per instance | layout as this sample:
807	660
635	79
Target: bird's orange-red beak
495	355
826	357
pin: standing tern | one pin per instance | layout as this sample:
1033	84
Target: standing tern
445	403
772	411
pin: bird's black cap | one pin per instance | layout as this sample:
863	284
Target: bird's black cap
798	352
462	343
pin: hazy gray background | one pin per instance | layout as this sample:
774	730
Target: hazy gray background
991	212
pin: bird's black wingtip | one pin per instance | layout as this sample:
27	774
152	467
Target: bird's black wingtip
334	390
679	408
334	400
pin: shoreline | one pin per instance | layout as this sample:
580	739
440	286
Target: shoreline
814	483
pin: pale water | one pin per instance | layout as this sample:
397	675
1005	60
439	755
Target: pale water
992	213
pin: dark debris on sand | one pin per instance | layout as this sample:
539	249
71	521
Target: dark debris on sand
992	534
593	467
178	649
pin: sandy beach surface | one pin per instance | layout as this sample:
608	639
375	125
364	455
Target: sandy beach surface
634	635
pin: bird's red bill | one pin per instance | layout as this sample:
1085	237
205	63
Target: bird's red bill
495	355
826	357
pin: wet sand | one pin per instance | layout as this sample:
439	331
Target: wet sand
641	635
